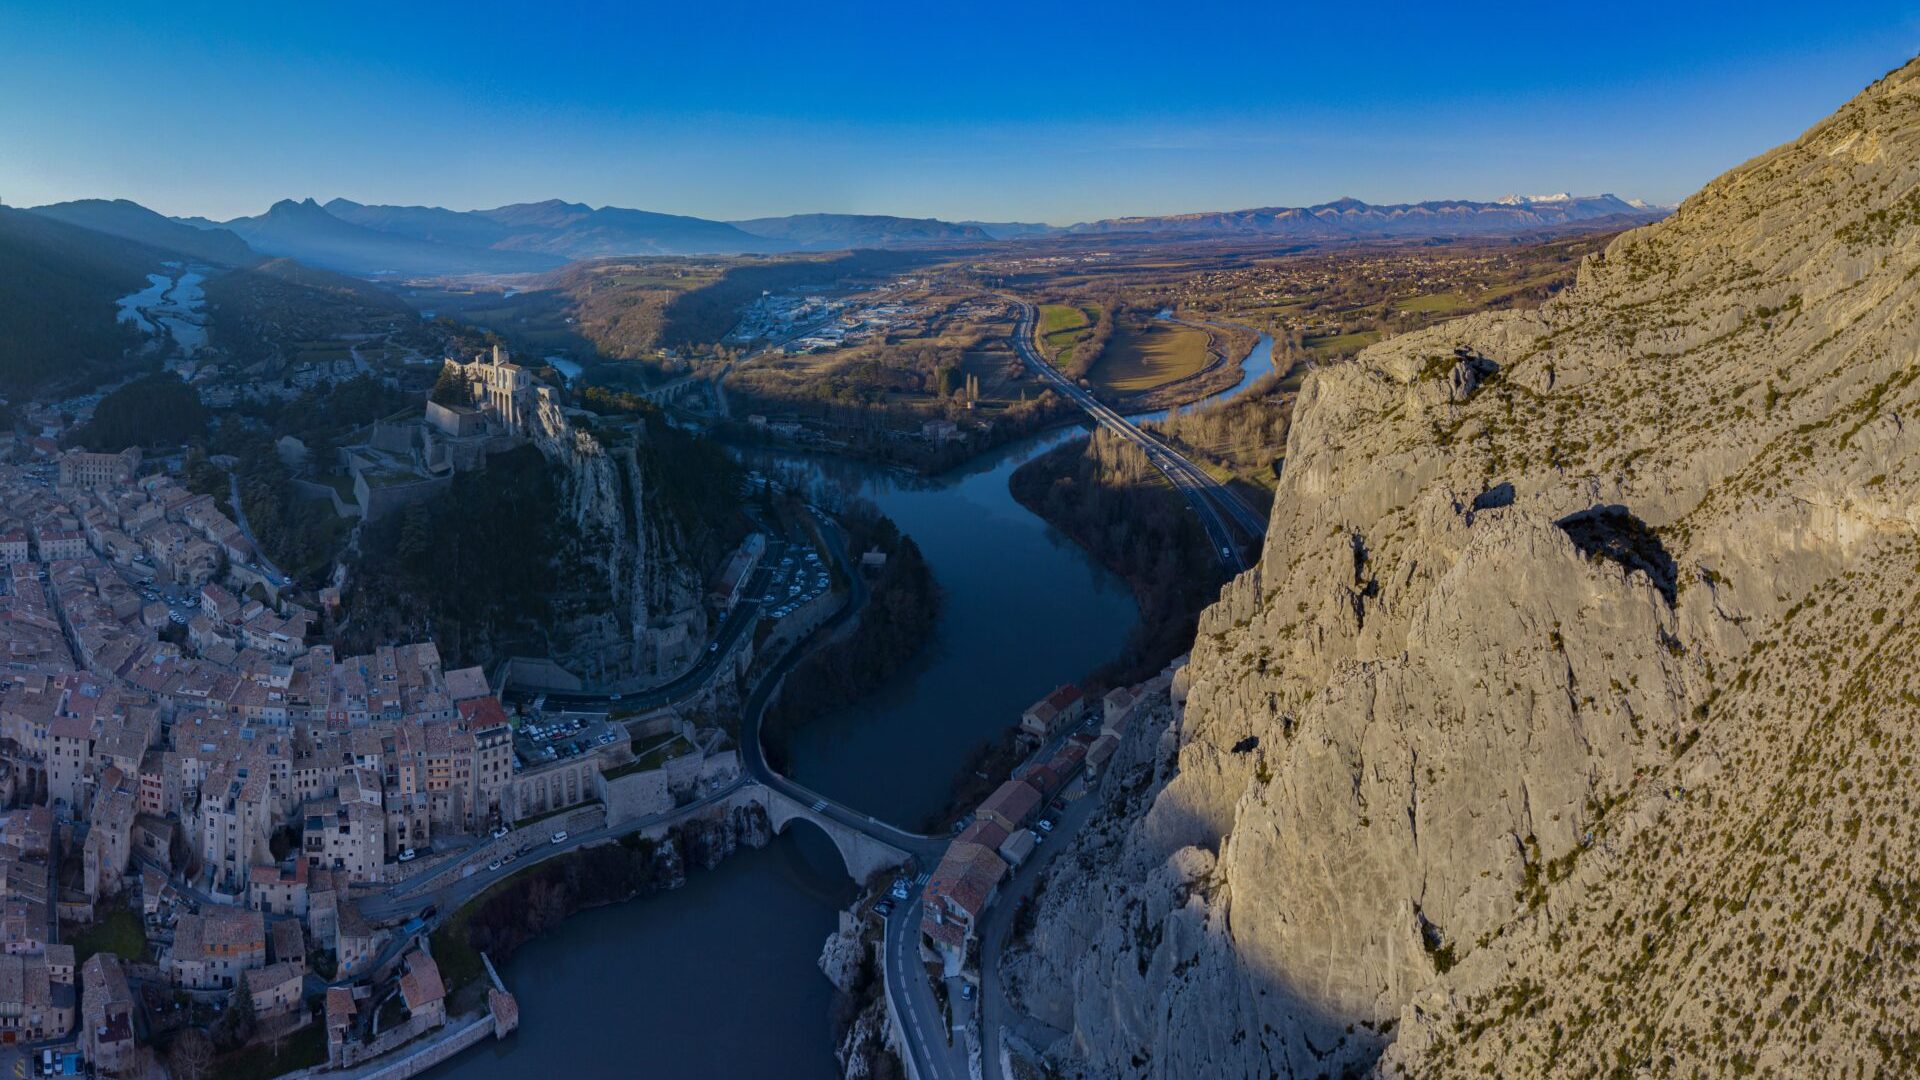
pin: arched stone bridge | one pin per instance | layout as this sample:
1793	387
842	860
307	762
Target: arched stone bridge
673	391
862	842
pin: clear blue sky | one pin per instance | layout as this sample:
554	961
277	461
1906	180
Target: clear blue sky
1030	111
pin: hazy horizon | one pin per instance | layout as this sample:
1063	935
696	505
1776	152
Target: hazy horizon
1040	114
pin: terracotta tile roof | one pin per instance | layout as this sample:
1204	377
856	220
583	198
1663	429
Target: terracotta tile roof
1011	802
421	984
983	832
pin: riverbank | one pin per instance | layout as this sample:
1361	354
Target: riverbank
1230	349
895	625
718	977
1113	502
927	447
520	909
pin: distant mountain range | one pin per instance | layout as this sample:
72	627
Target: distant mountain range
833	232
1351	219
370	240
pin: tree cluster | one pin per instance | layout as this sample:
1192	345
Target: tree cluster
897	621
1107	496
156	411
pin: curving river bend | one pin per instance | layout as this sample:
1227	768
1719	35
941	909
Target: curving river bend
719	978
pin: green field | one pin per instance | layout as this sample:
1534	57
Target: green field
1062	326
1433	303
1334	344
1057	317
1148	353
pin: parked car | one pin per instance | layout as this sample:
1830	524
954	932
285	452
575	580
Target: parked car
884	908
494	865
407	855
900	888
558	837
500	831
966	991
1046	824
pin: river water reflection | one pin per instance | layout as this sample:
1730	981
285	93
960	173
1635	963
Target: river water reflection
1023	609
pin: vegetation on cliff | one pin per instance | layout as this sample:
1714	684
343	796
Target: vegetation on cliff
477	568
522	907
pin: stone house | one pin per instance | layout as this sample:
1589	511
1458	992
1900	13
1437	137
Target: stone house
212	950
107	1015
422	990
274	990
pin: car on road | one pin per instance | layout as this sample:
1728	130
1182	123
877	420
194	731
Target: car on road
407	855
1226	553
500	831
715	647
429	912
558	837
900	888
1046	824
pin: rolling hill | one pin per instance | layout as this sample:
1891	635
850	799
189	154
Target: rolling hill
58	284
367	239
131	221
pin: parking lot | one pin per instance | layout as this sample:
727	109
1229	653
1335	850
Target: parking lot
797	577
553	737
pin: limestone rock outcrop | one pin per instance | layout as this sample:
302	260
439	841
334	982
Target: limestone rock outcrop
1567	723
652	591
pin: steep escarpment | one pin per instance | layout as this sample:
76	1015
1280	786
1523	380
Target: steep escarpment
1565	726
562	535
651	620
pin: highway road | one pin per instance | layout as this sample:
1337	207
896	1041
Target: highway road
1217	506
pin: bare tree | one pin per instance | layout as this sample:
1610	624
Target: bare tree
191	1056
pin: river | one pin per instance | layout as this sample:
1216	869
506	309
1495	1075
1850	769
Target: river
720	978
1257	365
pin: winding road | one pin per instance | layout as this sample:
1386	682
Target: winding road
1217	505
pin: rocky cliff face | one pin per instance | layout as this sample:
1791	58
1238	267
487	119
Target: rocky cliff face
1565	727
636	550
